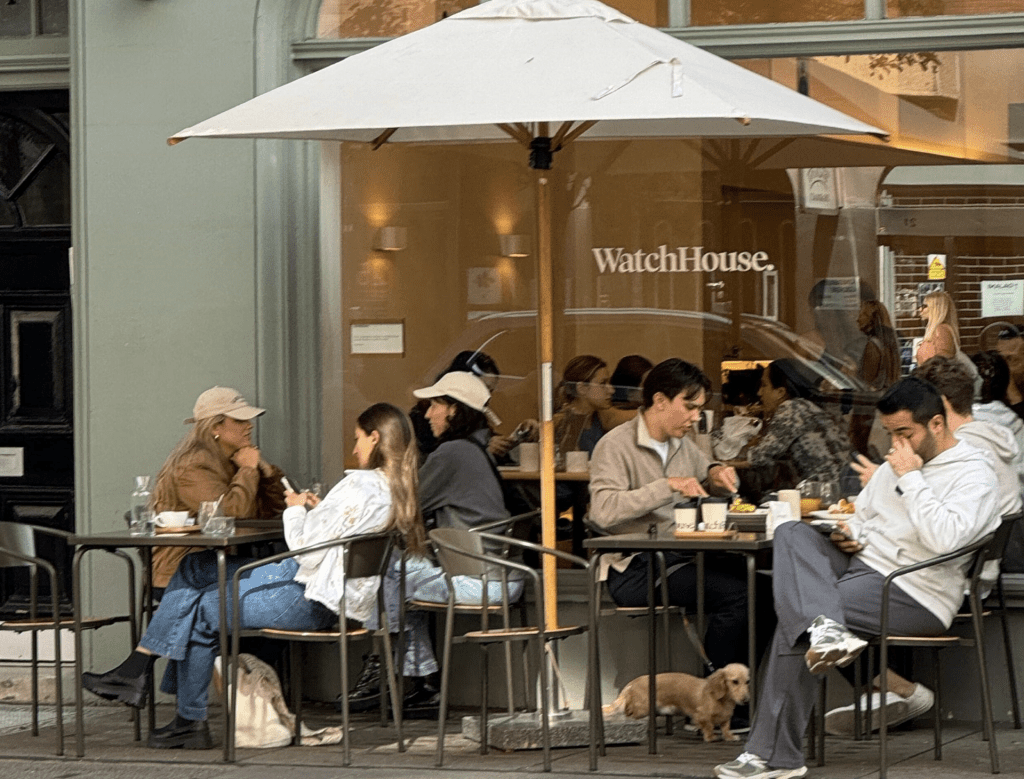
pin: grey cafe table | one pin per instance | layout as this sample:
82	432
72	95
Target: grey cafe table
247	531
747	544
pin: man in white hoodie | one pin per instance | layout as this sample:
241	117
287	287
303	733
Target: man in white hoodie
933	495
906	700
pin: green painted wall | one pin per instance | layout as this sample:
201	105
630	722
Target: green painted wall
164	293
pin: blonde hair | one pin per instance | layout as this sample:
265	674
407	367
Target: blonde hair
941	312
200	439
397	456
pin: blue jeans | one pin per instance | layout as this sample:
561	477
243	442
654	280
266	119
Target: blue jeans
186	627
425	581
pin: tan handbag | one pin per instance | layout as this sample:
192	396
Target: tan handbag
263	719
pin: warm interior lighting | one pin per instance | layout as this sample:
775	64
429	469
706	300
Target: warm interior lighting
391	239
516	245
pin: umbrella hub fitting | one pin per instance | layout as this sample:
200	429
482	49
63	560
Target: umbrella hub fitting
541	153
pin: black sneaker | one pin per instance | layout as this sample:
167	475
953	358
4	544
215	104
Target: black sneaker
365	695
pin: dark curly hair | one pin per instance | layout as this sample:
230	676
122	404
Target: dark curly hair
463	423
995	375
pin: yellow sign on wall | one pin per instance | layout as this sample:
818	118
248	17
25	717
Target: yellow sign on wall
936	267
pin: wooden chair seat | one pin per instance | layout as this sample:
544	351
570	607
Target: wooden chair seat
519	634
429	605
65	623
311	635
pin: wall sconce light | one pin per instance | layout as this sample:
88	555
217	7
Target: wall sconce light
391	239
517	245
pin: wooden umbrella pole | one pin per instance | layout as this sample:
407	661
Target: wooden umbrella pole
545	348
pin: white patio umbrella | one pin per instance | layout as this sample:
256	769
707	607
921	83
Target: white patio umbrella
542	72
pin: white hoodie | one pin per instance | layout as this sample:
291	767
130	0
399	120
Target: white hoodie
949	503
998	413
1007	463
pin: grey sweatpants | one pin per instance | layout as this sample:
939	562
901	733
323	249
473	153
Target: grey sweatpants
811	577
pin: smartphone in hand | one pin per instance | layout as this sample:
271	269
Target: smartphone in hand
286	484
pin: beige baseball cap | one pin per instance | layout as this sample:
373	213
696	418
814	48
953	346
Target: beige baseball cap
463	387
225	401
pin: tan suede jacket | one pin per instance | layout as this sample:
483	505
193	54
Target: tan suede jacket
248	493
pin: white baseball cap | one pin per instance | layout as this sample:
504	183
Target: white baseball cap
463	387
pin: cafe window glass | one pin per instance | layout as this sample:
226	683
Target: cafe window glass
727	253
708	13
897	8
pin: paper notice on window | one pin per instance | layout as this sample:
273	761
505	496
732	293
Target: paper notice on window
841	294
1002	298
378	338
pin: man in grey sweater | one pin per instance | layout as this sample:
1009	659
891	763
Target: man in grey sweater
637	473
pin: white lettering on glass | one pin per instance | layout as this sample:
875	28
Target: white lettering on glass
682	259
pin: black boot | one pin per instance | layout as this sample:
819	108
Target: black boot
422	697
365	695
128	683
181	733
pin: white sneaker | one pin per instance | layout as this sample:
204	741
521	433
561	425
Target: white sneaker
839	722
750	766
832	645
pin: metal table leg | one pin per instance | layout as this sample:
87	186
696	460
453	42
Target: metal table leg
751	628
652	660
229	746
76	605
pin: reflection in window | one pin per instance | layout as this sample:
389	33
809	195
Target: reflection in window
34	169
382	18
708	13
952	7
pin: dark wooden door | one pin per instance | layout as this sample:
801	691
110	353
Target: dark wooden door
36	431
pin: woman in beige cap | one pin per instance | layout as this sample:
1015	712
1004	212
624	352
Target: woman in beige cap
216	458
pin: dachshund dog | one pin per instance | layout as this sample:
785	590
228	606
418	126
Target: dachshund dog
707	702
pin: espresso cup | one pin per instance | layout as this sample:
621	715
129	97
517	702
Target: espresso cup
712	514
686	516
172	519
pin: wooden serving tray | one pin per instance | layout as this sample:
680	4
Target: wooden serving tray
705	535
160	531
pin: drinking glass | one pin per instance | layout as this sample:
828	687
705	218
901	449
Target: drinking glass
220	527
143	523
316	489
206	510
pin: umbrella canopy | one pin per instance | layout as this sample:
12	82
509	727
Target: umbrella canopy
543	72
509	62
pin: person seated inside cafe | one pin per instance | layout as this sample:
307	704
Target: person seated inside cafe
300	593
933	495
638	472
799	439
459	487
626	380
216	460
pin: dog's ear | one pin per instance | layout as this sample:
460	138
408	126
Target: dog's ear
718	685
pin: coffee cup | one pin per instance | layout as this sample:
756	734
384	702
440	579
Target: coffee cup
792	497
529	457
686	516
713	512
172	519
577	462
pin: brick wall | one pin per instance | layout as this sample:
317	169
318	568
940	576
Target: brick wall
964	284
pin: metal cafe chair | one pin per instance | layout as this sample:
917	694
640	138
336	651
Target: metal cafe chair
361	556
509	526
18	550
462	553
985	549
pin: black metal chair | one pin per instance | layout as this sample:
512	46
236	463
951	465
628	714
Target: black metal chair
361	556
462	553
985	549
17	550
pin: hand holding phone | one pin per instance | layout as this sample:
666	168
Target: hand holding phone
286	484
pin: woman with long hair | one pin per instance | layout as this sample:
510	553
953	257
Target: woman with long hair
584	392
880	364
300	593
942	329
216	460
459	487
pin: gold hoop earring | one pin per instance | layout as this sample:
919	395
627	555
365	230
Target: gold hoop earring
216	436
